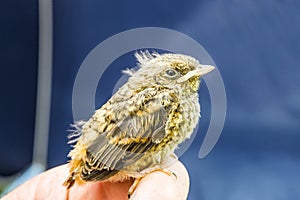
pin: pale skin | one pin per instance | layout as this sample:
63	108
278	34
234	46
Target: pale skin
156	185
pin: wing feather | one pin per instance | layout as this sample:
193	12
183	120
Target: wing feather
127	140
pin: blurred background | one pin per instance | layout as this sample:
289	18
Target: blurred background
255	45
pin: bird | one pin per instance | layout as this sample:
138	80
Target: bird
141	124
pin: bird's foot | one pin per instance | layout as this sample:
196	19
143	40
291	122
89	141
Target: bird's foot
133	187
144	173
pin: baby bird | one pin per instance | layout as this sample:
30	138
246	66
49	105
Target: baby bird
142	123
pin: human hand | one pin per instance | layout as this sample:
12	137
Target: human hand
156	185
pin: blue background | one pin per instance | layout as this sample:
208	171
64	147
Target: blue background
255	45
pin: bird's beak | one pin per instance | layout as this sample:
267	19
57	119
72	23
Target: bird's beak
202	70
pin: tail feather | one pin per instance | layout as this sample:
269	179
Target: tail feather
70	181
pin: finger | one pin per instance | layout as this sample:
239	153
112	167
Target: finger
159	185
100	190
46	185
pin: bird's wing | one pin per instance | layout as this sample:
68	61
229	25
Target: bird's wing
130	137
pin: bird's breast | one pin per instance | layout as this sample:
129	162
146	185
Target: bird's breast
179	126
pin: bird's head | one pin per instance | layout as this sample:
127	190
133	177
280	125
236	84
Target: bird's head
169	70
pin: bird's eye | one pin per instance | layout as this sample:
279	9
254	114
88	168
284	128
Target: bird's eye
171	72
